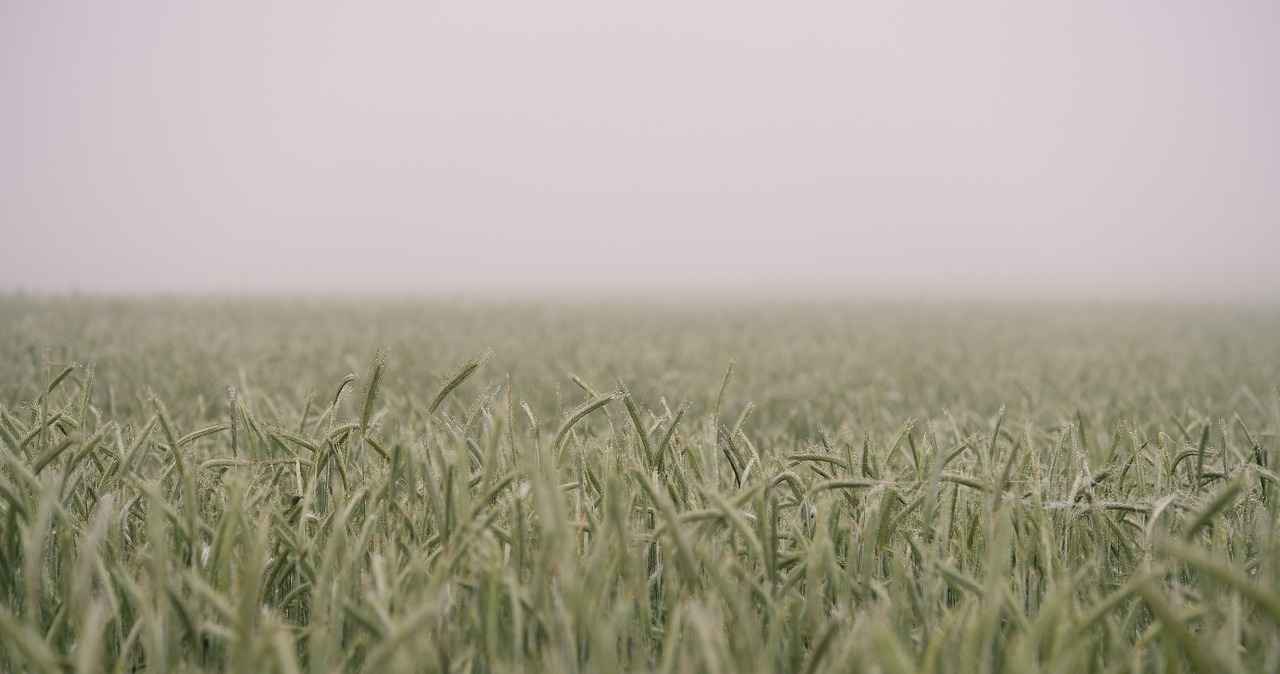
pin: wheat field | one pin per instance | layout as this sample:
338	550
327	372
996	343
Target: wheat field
306	485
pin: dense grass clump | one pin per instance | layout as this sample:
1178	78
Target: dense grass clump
817	489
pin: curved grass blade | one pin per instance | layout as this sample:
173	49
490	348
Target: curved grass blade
460	375
578	414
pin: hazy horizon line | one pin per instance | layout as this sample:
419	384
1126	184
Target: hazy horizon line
637	298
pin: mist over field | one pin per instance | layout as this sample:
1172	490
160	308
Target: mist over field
901	150
658	337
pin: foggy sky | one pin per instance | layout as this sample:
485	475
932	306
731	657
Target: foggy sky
1064	149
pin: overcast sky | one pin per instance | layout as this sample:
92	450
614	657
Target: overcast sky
1107	149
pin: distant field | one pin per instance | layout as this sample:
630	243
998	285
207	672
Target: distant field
274	485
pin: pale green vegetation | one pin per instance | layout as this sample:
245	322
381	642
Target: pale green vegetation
771	489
